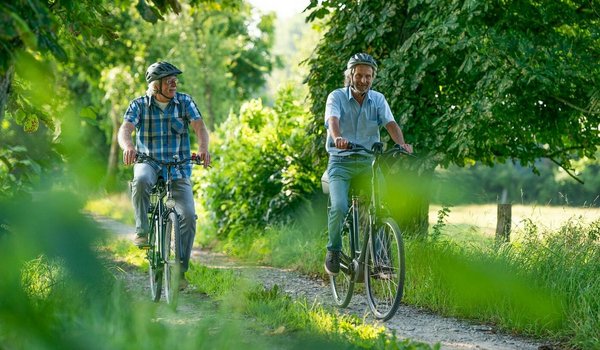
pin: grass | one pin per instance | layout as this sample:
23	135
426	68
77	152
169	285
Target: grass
272	315
114	206
482	218
545	283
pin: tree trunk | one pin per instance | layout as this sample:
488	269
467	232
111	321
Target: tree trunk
113	155
210	120
503	223
5	83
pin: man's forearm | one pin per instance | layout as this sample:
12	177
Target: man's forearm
201	134
395	132
124	136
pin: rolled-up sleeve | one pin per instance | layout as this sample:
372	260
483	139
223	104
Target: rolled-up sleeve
193	110
332	107
132	114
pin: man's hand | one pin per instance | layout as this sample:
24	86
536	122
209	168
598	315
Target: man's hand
129	156
407	147
205	157
341	143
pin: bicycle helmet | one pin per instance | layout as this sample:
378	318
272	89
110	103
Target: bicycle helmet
362	58
160	70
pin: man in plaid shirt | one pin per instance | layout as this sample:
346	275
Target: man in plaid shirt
161	121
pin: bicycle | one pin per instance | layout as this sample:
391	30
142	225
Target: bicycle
372	246
163	251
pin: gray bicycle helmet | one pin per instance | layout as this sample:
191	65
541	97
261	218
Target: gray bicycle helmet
160	70
361	58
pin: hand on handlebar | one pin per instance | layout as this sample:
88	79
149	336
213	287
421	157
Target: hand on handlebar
129	156
407	147
203	157
342	143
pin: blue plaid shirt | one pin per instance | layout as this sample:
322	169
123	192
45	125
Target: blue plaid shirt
164	134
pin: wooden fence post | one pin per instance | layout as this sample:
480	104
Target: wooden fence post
503	224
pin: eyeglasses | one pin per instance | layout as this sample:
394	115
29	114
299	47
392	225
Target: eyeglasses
171	81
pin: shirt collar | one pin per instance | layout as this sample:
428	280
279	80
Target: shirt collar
350	97
150	99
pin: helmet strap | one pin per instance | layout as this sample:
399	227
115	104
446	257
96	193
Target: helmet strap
160	89
354	89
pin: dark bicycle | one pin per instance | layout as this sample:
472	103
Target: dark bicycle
372	245
164	240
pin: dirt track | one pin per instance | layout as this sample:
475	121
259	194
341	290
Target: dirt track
409	322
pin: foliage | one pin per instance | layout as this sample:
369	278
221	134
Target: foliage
260	174
483	184
93	55
476	80
470	80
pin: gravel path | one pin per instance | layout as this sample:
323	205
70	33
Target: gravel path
409	322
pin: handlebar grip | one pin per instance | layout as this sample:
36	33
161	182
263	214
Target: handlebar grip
350	145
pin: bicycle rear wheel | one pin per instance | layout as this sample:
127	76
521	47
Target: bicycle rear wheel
342	284
155	268
385	269
172	256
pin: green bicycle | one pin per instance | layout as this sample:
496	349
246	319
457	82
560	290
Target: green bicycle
164	250
372	246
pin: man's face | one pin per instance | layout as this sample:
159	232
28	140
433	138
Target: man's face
169	86
362	78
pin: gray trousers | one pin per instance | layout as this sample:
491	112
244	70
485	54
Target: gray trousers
144	178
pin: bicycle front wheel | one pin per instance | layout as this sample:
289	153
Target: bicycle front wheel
342	284
385	269
155	267
172	256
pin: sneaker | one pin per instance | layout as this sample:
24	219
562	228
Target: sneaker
141	241
332	262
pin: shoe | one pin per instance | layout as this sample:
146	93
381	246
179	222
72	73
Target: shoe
141	241
183	283
332	262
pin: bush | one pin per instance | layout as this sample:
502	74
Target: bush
260	172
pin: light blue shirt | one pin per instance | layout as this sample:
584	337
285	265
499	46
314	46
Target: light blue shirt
358	124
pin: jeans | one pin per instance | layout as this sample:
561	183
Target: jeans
144	178
341	171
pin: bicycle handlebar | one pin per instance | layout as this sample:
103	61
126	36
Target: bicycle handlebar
194	159
377	149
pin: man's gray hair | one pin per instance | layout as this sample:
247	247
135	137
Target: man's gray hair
152	88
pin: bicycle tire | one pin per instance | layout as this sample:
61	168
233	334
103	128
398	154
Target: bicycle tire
385	269
172	259
155	268
342	284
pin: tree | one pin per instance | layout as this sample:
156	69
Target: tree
474	80
38	39
223	61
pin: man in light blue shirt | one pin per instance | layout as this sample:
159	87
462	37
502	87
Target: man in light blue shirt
354	113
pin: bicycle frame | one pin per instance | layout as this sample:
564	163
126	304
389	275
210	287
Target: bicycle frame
165	245
372	216
162	191
377	260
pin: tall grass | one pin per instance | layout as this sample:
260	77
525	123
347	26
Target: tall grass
56	293
567	262
545	283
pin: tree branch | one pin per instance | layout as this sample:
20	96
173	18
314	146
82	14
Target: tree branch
567	170
574	106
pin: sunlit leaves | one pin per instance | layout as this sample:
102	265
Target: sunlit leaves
262	149
494	61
